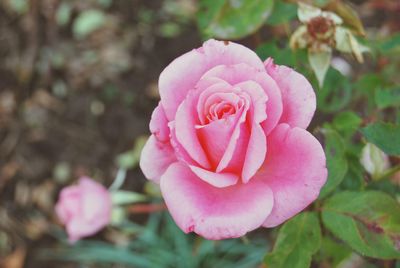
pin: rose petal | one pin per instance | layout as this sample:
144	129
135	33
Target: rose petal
95	202
257	146
204	89
299	101
185	121
159	124
68	203
255	153
233	157
219	180
184	72
295	171
215	137
155	158
78	228
214	213
258	100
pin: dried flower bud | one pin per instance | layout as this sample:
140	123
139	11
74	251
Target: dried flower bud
322	29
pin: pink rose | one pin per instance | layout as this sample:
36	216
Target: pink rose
229	146
84	208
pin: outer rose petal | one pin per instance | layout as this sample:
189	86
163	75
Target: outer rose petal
159	124
155	158
68	203
78	228
214	213
219	180
96	202
184	72
298	96
295	171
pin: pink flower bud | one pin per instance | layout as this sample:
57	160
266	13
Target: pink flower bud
84	208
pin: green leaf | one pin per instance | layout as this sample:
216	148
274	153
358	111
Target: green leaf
369	222
384	135
282	56
366	85
232	19
347	122
354	178
282	13
319	62
297	241
87	22
385	98
334	251
126	197
336	92
336	161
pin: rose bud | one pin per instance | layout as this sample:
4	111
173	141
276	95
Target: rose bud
84	208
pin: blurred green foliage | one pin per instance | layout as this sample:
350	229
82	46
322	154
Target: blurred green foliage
87	22
162	244
232	19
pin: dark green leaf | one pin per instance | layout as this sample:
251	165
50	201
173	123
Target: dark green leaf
354	178
369	222
347	122
336	161
369	82
232	19
336	92
297	241
333	251
385	136
388	97
282	13
282	56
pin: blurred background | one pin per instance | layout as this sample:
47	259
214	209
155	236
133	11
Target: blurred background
78	83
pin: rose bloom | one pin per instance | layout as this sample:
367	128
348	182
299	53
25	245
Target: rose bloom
84	208
229	146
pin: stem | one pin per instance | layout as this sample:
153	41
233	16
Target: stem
119	180
146	208
389	173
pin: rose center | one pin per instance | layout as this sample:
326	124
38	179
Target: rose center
220	110
321	28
